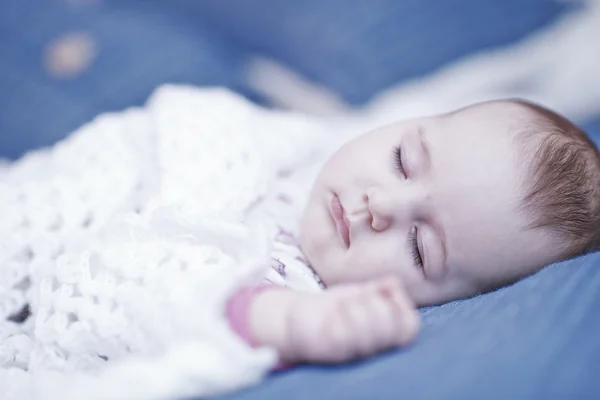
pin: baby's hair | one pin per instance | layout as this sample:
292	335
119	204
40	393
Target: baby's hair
563	189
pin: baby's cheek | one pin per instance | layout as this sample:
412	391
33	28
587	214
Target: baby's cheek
369	261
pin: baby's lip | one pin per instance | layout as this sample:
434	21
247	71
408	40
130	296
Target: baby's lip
341	221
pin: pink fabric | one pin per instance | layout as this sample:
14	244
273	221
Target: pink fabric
237	310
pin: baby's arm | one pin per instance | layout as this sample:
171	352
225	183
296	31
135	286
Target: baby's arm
340	324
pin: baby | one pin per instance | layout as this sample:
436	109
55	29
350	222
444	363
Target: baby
424	212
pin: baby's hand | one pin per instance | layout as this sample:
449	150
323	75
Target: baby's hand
343	323
350	322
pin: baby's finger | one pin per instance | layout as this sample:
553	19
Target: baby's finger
359	323
381	322
406	317
334	345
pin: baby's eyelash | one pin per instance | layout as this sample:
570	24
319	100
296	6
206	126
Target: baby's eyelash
414	248
398	159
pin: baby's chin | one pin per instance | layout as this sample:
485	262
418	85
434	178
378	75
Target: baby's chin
313	250
323	254
314	230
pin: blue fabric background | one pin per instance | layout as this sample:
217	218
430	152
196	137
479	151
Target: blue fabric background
354	47
140	45
359	47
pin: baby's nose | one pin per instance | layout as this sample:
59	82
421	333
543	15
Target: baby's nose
380	208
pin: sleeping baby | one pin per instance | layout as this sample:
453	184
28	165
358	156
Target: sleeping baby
423	212
214	230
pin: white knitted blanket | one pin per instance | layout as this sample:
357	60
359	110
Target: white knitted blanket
127	238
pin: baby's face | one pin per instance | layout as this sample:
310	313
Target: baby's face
434	200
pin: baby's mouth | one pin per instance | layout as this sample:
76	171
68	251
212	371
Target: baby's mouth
341	222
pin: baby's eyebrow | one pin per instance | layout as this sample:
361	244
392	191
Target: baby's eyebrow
425	146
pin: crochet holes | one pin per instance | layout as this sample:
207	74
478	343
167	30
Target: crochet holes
170	262
25	255
212	255
165	260
95	266
76	292
72	318
25	223
139	197
87	221
20	316
57	253
23	285
55	284
57	224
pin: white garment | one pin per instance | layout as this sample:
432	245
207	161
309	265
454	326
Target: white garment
128	237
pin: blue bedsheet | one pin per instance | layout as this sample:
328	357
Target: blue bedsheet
537	339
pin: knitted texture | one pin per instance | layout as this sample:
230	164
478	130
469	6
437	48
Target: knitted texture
126	240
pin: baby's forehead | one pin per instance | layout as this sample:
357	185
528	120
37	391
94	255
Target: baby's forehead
513	112
475	151
501	123
496	123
